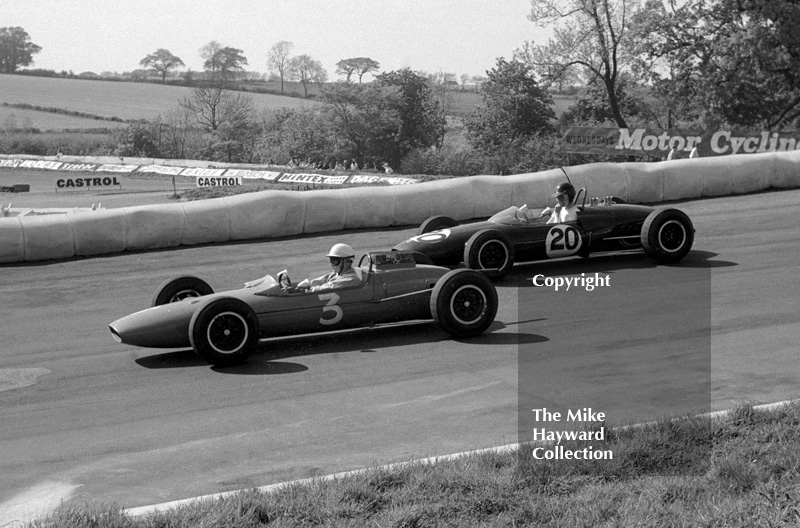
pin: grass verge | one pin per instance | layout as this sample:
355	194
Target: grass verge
739	470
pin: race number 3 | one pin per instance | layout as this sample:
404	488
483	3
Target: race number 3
332	299
562	241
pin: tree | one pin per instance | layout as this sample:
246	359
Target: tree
738	59
514	107
279	59
161	61
358	66
591	34
137	139
591	105
421	118
363	118
478	81
16	49
222	62
442	84
226	117
178	136
213	106
307	70
288	133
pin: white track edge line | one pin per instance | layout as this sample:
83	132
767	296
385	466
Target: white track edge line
155	508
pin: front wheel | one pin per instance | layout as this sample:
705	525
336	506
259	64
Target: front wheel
464	303
490	251
667	235
435	223
180	288
224	332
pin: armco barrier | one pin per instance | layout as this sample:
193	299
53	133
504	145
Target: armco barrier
285	213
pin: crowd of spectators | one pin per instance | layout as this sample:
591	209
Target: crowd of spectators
334	164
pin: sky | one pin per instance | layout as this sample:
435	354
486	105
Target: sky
453	36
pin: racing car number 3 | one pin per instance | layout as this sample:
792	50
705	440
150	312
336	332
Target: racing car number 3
562	241
331	306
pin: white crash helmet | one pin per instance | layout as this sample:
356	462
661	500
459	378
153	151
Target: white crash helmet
341	251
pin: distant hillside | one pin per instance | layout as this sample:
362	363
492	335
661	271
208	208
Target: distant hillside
111	99
144	100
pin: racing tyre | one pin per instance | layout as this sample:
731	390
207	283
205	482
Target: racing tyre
435	223
667	235
464	303
224	332
490	251
180	288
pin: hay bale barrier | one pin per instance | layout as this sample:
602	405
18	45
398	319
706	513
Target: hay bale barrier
268	214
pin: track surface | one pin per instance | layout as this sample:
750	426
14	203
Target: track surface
85	419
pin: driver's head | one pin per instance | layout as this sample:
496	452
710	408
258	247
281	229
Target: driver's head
565	193
341	257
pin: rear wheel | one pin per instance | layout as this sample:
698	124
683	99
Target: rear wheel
464	303
491	252
224	332
180	288
435	223
667	235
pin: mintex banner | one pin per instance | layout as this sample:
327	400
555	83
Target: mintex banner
658	142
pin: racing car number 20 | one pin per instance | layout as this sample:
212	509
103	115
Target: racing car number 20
562	241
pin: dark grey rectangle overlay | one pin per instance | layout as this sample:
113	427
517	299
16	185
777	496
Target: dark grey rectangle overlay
624	341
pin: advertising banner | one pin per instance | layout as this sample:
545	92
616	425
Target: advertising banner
202	172
116	168
40	164
206	177
218	181
312	178
659	142
391	180
253	174
161	169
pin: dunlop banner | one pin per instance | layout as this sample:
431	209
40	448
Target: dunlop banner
659	142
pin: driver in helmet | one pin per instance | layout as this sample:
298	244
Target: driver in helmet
344	275
565	210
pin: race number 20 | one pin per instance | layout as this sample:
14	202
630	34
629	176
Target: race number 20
562	241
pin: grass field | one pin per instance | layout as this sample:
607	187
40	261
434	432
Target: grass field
138	100
124	100
11	118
